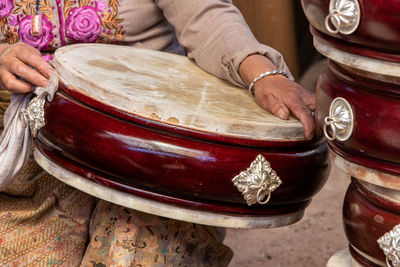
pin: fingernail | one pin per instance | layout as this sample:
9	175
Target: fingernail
282	114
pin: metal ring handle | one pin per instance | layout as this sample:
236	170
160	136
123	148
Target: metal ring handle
388	261
328	21
260	197
329	122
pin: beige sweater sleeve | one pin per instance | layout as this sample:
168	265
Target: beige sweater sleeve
216	36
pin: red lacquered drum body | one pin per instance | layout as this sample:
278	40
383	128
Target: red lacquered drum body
182	148
375	139
173	164
367	216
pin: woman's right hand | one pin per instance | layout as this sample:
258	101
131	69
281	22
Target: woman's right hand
22	61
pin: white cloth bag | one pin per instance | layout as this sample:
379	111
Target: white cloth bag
16	139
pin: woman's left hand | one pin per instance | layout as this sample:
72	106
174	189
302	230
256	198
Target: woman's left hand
279	95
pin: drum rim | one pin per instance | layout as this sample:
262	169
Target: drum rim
193	215
363	259
360	50
374	198
382	174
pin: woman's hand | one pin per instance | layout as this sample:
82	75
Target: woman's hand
279	95
22	61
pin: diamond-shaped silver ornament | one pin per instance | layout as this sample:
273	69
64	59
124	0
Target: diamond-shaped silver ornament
257	182
390	244
34	114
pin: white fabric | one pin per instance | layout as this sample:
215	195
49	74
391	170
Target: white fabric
16	140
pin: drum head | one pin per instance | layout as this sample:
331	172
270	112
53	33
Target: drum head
168	89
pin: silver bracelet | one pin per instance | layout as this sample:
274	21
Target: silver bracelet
265	74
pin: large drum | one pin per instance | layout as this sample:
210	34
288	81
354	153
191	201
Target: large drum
151	131
359	105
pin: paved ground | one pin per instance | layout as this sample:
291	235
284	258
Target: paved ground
308	243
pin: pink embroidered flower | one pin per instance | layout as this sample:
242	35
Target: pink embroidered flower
83	24
41	42
101	5
6	6
12	20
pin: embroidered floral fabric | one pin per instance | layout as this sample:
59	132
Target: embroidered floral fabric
63	22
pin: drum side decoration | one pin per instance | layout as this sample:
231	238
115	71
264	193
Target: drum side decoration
257	182
340	120
33	114
344	16
390	244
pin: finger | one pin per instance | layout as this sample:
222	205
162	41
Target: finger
12	84
31	56
309	99
303	113
276	107
23	71
310	104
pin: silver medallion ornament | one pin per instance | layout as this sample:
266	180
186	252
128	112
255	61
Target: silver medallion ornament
344	16
257	182
390	244
34	114
340	120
